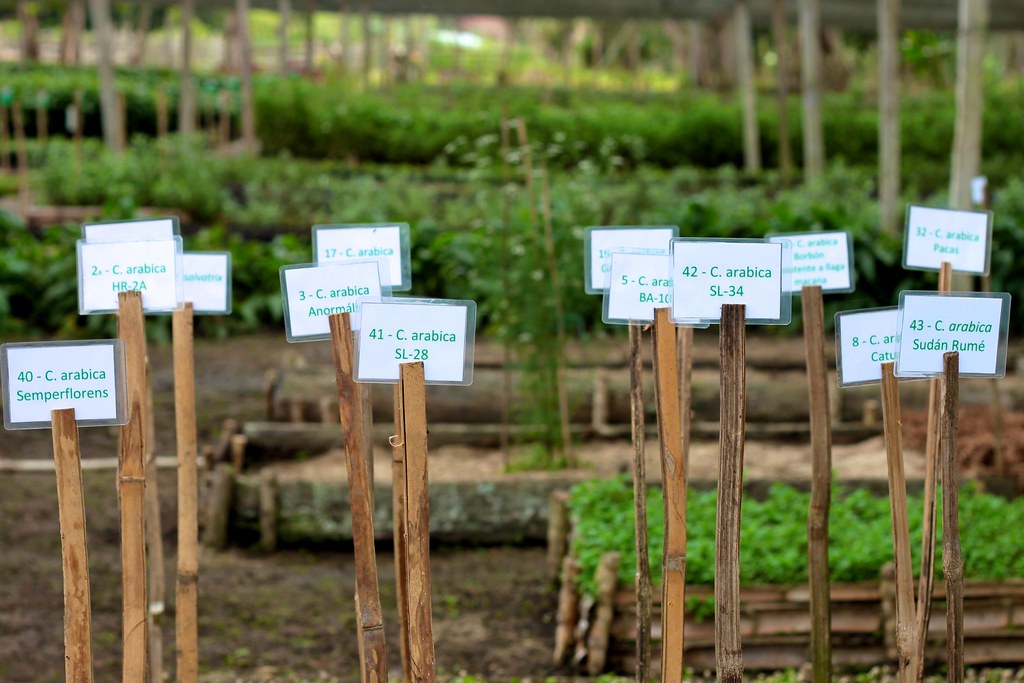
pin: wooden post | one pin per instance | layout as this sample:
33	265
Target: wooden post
24	193
643	568
187	96
74	550
810	70
131	490
154	541
399	507
952	558
284	11
245	49
892	426
931	459
972	26
728	647
821	483
186	599
421	629
779	38
746	74
889	114
673	474
373	663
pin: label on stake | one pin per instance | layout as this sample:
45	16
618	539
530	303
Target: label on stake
824	259
207	281
600	242
707	273
108	268
439	332
311	293
932	323
44	376
864	340
640	282
964	238
131	231
360	242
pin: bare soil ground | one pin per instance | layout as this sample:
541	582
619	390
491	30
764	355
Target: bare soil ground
290	616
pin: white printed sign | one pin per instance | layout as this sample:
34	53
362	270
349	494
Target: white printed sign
964	238
931	324
388	241
599	243
864	340
40	377
824	259
639	284
107	268
207	281
312	293
131	231
709	273
438	332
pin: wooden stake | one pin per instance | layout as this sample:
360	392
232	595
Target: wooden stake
952	558
684	341
366	408
74	549
931	459
673	474
821	484
421	629
893	428
373	663
643	568
186	603
728	647
398	502
131	490
154	541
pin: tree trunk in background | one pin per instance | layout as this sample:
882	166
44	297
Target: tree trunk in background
310	36
675	35
810	62
972	23
367	64
344	38
284	10
696	60
746	71
889	115
113	125
229	59
245	70
727	65
142	33
781	41
187	98
29	31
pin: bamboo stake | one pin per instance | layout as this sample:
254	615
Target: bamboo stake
673	474
684	340
19	139
893	428
74	548
398	502
373	662
154	542
728	647
131	491
421	629
952	558
186	602
821	484
931	458
366	402
643	568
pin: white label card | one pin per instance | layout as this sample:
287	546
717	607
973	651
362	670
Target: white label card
439	332
709	273
131	231
964	238
600	243
207	281
864	340
40	377
824	259
388	241
312	293
932	324
639	283
107	268
979	188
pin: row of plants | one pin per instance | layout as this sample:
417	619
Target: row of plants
474	236
774	534
414	124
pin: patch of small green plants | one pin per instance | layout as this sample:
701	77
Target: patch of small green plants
774	534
